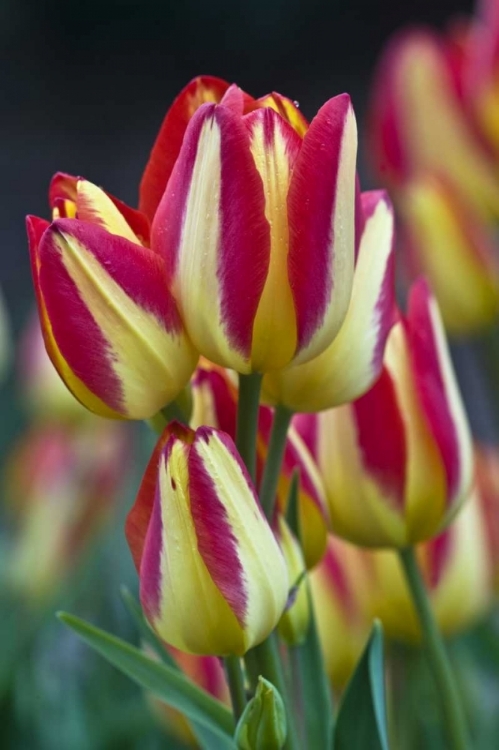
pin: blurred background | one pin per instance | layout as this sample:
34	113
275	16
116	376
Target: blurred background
85	87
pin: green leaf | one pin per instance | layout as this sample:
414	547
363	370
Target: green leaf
145	630
317	711
361	721
166	683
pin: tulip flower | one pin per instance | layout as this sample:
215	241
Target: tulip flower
62	486
397	462
455	250
213	580
487	486
353	362
419	125
257	229
109	321
337	585
215	394
457	570
352	586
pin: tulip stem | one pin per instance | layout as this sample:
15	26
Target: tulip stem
271	473
247	419
235	679
436	653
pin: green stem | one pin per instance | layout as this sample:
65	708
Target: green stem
269	663
277	444
247	419
236	685
436	653
297	692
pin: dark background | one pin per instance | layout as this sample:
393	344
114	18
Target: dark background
85	85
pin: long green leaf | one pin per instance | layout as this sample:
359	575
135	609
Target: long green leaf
316	695
166	683
361	721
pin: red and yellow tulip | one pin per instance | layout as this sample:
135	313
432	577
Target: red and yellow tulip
257	223
213	580
377	454
109	321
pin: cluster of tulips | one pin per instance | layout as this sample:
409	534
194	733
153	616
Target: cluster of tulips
315	470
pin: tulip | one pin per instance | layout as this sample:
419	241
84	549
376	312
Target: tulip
213	580
257	229
457	570
62	487
419	125
352	586
215	395
110	324
397	462
487	485
337	585
353	362
456	250
263	723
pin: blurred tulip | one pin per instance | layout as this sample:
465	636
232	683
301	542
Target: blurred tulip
213	580
455	250
62	487
207	672
294	623
110	324
215	395
5	342
397	463
352	586
487	485
353	362
418	124
257	224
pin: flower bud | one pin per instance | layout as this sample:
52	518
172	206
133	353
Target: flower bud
263	723
213	580
109	321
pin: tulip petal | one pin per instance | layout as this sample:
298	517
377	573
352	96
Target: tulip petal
438	390
112	319
94	206
274	146
351	364
322	226
169	140
212	232
287	109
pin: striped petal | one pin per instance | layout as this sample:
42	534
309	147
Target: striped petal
109	320
169	140
352	363
321	210
212	231
274	147
439	394
213	579
287	109
452	247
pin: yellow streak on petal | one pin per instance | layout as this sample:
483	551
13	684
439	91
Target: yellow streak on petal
151	364
293	114
196	286
194	616
359	511
425	491
466	286
343	234
343	372
95	206
260	556
274	328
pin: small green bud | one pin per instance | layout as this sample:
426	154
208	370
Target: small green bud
263	723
